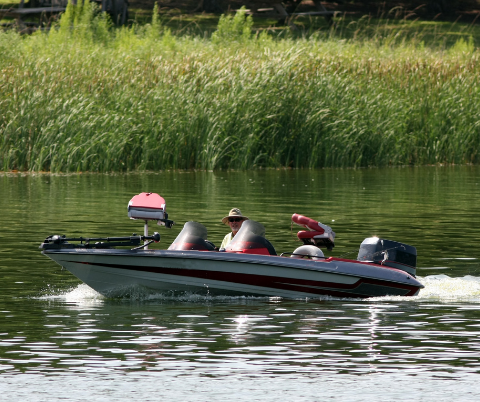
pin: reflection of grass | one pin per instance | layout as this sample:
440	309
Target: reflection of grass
85	97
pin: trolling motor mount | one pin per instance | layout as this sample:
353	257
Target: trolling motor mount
57	242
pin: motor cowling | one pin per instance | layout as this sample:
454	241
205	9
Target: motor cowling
390	253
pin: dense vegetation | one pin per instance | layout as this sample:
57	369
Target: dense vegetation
87	97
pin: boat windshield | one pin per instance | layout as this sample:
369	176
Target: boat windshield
252	226
194	229
251	239
192	237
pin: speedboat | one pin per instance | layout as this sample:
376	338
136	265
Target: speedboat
249	266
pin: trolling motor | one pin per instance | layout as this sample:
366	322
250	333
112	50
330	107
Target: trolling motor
144	206
149	207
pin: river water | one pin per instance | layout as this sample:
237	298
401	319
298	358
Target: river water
60	340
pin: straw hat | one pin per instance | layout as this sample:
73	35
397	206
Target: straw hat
234	212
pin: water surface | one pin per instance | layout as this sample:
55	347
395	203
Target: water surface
60	339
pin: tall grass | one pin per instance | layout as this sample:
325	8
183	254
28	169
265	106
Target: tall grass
86	97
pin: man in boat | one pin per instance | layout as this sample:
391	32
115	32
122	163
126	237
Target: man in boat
234	219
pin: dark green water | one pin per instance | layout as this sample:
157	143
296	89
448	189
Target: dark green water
59	337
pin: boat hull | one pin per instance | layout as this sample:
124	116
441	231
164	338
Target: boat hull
116	272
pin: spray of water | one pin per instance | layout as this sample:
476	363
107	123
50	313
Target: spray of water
440	288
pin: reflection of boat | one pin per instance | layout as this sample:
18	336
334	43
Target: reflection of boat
250	265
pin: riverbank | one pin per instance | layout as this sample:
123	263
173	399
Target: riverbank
86	97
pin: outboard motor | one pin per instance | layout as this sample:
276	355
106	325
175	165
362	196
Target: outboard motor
250	239
192	237
390	253
317	234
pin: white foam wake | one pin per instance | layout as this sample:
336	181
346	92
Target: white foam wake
445	288
442	288
80	294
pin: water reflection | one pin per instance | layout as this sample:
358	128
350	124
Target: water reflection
220	338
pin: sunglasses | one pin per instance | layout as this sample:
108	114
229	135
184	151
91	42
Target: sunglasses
235	219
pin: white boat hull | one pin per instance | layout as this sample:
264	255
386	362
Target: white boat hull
114	272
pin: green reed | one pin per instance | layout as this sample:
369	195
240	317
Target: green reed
87	97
